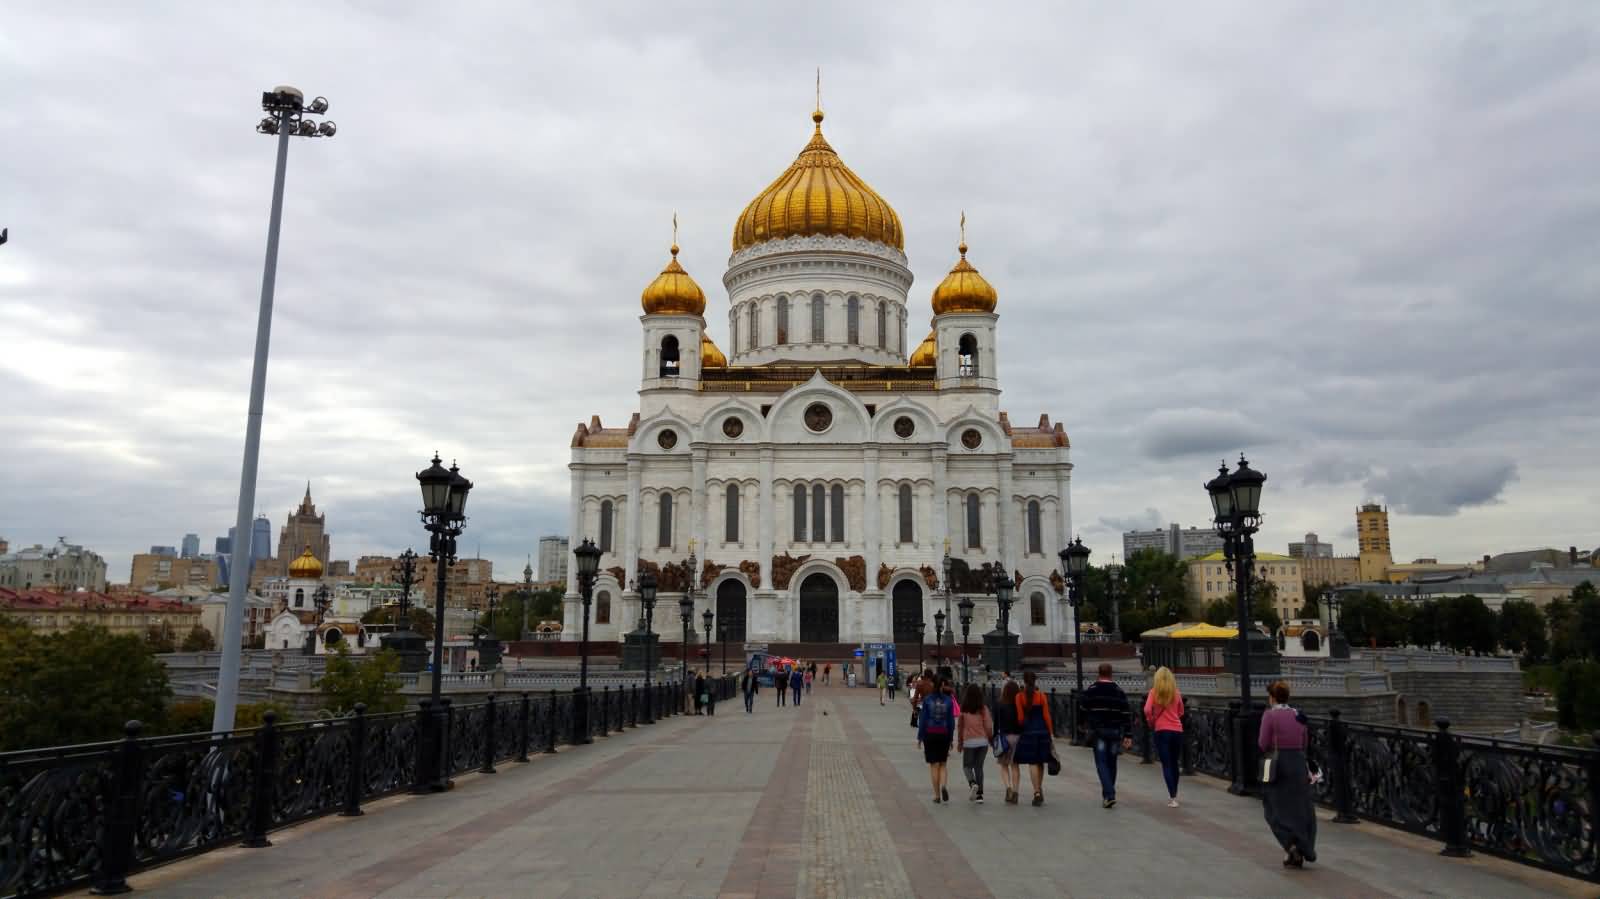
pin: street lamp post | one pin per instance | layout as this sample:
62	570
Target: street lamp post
938	639
1002	599
444	503
489	643
722	634
1236	504
285	108
922	644
411	647
647	609
949	570
320	601
685	614
527	596
1075	562
588	560
965	606
1113	583
708	618
1338	645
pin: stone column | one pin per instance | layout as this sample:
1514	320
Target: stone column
872	507
630	546
1009	527
764	544
697	502
941	500
571	607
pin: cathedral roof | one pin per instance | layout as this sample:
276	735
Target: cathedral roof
1042	437
710	355
306	566
926	355
594	435
964	290
818	194
673	292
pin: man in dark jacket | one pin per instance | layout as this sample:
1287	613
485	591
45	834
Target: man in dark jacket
1110	726
750	684
699	692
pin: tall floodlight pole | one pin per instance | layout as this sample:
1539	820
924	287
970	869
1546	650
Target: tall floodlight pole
285	107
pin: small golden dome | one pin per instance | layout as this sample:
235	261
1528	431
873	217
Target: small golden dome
818	194
673	292
964	290
306	566
926	355
710	356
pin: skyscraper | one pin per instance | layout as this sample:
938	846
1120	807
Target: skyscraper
191	545
552	559
304	528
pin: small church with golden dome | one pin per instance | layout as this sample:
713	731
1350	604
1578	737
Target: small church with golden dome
806	479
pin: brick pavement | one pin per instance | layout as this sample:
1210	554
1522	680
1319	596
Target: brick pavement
829	799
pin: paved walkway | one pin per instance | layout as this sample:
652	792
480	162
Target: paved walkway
827	800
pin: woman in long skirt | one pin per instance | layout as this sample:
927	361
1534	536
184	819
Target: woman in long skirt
1037	743
1286	801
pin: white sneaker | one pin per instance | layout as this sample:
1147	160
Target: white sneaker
1172	803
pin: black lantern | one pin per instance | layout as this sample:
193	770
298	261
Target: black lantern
707	620
1221	496
588	556
965	606
1075	558
938	637
1002	586
686	614
647	617
435	482
1236	500
1245	488
459	488
647	598
1075	563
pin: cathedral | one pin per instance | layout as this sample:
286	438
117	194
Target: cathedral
807	483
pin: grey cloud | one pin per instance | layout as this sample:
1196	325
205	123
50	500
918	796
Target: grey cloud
1148	520
1443	488
1173	433
1334	470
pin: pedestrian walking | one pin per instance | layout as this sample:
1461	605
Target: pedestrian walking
797	682
1286	798
699	693
750	684
935	729
780	679
811	674
883	687
1036	746
827	673
1008	728
711	694
1163	711
1110	720
892	685
976	733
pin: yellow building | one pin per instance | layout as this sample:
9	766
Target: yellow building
1372	537
1209	580
158	572
53	612
1334	570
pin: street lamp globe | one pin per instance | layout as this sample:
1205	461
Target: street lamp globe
1245	487
459	488
1002	585
686	608
1075	558
707	617
647	592
435	482
1221	497
966	606
588	556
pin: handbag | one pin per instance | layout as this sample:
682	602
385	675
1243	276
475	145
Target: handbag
1053	767
1001	744
1269	762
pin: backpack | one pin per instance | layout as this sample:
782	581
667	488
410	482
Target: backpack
939	714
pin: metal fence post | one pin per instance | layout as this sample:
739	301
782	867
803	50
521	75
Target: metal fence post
356	776
524	725
488	738
550	745
425	750
1452	804
262	780
447	726
1185	758
1339	769
1236	755
605	710
116	841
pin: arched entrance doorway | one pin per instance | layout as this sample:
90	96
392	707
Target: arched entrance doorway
907	611
730	610
819	610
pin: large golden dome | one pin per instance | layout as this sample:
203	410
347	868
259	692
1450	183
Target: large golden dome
673	292
818	194
306	566
926	355
710	356
964	290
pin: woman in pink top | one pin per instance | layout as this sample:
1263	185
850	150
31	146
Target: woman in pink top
1163	709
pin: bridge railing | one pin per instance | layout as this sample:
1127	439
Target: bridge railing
90	815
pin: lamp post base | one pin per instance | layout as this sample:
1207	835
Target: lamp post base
410	646
640	651
1001	652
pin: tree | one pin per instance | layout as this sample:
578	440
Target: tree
1426	627
1586	606
1169	576
1522	630
159	639
346	682
1371	620
1468	625
192	716
1578	695
1263	605
199	640
1563	620
76	686
420	619
1219	612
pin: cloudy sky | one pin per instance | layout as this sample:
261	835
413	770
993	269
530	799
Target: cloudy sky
1356	240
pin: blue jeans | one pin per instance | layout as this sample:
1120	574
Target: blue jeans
797	695
749	700
1107	746
1169	746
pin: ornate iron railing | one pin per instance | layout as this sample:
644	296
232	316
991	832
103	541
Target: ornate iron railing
90	815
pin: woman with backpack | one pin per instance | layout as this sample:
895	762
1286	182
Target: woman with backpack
936	724
1286	797
976	732
1163	709
1036	745
1008	728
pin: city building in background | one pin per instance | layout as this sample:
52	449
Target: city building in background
164	551
466	582
63	567
191	546
50	612
153	571
257	612
304	528
552	567
1180	543
1319	565
1311	548
1372	540
1209	580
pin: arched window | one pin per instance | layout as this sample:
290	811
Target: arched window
669	356
883	324
852	318
1036	609
730	525
602	607
664	523
974	534
819	513
967	355
1035	539
799	513
837	513
783	320
755	326
816	318
906	532
299	597
606	512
